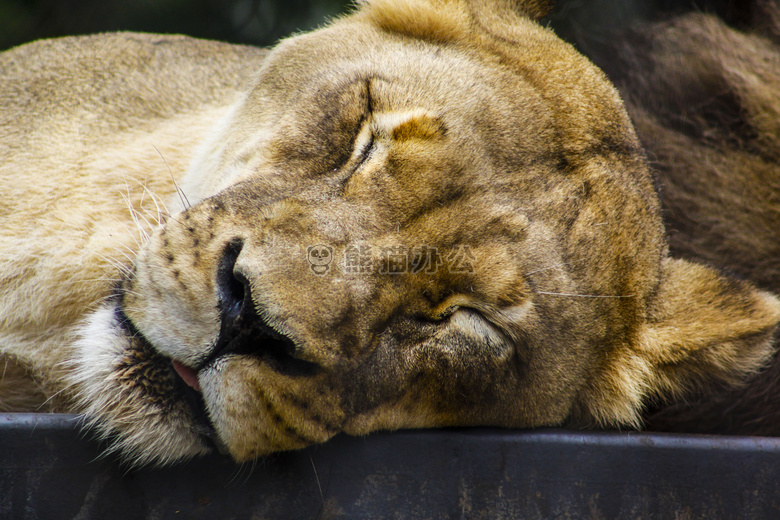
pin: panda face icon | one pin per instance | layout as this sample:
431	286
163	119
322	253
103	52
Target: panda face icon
319	256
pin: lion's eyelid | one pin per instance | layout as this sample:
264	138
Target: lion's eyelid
364	144
362	148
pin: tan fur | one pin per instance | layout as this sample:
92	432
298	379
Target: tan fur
500	164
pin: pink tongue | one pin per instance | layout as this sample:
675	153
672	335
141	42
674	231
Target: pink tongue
187	374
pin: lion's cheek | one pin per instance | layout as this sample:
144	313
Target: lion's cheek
256	411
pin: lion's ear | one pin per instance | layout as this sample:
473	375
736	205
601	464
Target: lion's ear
703	325
702	328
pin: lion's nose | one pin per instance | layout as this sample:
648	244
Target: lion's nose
243	331
233	291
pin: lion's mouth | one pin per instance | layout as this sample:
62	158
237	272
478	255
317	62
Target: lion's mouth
188	375
194	398
189	389
185	385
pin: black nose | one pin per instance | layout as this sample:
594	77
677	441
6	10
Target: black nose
243	330
233	291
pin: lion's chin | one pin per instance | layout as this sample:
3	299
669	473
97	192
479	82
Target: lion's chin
130	395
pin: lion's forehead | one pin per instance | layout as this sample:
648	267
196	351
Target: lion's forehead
465	87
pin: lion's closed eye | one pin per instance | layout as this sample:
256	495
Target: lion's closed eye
364	147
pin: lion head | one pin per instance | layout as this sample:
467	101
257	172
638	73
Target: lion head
424	214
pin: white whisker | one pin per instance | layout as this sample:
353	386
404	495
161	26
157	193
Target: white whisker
586	295
185	203
54	395
134	218
317	478
80	281
161	212
556	266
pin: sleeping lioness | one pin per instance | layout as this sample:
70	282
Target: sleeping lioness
428	213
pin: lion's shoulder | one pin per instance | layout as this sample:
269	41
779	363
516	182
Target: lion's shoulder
106	119
120	79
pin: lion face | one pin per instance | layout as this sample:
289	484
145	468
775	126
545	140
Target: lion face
398	226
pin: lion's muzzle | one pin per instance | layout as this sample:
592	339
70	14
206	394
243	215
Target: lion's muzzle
243	330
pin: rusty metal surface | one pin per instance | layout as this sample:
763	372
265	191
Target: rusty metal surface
48	470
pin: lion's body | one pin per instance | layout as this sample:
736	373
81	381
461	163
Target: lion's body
130	109
537	288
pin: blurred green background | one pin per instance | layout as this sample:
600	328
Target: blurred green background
259	22
262	22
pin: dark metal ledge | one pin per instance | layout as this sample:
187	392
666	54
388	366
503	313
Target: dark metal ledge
48	470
